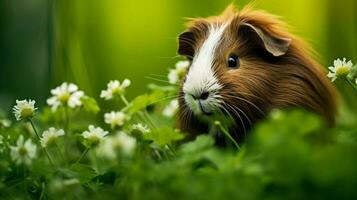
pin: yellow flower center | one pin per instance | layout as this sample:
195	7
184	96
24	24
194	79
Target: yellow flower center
27	112
117	91
64	97
181	73
51	140
342	71
93	141
23	151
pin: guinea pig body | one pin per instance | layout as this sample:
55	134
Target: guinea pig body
243	65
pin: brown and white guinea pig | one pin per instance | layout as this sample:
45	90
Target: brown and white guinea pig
244	64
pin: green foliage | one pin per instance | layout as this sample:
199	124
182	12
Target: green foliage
289	155
90	104
145	100
163	136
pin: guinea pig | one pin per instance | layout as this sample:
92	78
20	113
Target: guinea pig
243	64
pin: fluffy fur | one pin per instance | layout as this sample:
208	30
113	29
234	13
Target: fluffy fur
276	71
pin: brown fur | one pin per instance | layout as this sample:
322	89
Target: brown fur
277	70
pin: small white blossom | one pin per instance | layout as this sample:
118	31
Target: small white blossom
171	109
141	128
50	136
183	64
67	94
121	142
114	118
94	135
340	68
114	88
24	109
24	152
176	74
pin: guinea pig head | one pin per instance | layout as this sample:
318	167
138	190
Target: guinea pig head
244	64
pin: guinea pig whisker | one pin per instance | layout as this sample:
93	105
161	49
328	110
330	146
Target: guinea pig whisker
163	99
158	75
240	118
235	108
185	115
245	115
225	111
230	116
159	80
170	57
236	114
243	99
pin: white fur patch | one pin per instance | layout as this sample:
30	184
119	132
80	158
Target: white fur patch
201	76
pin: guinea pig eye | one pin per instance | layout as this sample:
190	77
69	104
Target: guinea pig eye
233	61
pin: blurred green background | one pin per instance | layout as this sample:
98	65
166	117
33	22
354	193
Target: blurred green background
89	42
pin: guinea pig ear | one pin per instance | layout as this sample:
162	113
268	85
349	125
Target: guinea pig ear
275	45
186	44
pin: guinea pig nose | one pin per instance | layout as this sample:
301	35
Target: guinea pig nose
204	95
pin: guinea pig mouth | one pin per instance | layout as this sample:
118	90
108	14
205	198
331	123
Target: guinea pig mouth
203	109
198	107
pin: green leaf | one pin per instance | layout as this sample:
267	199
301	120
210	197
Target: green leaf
83	172
90	104
164	136
202	142
142	101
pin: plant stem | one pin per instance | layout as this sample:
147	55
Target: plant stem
149	118
60	152
39	139
24	176
143	114
228	135
124	100
95	160
66	130
42	191
82	156
354	86
66	118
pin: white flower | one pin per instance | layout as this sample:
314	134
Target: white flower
340	68
24	152
171	109
94	135
121	142
24	109
172	76
67	94
114	88
114	118
141	128
176	74
183	64
50	136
